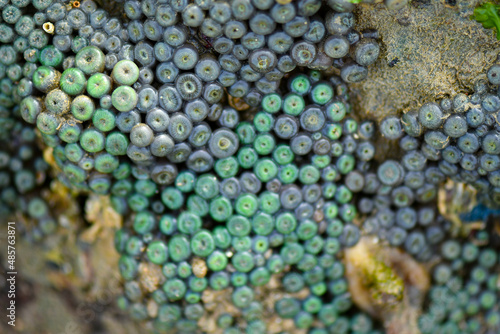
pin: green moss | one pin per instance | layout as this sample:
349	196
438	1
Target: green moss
382	282
488	15
385	282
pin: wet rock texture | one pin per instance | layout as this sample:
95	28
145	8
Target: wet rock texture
429	50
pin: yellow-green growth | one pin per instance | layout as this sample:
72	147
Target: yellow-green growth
487	15
383	282
384	286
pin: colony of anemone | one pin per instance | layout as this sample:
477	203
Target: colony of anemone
222	131
23	172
